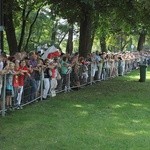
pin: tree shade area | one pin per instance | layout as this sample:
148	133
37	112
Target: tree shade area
79	25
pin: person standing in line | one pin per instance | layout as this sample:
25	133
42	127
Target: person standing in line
99	65
38	75
47	76
53	83
64	75
93	66
9	84
75	70
16	81
32	65
24	70
59	78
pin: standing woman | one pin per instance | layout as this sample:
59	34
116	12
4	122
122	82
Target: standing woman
64	74
46	79
54	73
75	70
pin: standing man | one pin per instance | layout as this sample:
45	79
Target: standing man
33	66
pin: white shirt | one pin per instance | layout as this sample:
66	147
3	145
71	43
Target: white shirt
1	65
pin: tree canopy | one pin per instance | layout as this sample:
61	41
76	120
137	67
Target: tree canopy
79	25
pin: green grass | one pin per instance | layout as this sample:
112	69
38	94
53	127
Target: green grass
109	115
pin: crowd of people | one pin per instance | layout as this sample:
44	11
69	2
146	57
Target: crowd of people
28	76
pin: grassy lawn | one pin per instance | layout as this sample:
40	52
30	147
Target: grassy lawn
109	115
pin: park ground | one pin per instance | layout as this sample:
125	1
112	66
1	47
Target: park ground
109	115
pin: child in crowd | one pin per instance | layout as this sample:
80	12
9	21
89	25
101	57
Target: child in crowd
9	86
23	69
16	81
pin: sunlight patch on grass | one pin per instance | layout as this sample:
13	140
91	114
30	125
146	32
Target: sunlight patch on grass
146	108
119	105
136	121
132	133
78	106
148	75
141	132
83	113
137	76
121	124
134	77
137	105
128	133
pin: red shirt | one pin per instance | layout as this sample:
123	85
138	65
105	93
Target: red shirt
54	73
15	79
21	77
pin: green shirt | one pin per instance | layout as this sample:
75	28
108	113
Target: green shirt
64	67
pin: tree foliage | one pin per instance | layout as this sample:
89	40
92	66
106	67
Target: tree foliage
113	23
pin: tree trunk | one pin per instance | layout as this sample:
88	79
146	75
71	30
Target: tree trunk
30	30
60	41
69	48
141	41
85	34
95	23
103	43
91	41
9	27
53	36
23	26
1	25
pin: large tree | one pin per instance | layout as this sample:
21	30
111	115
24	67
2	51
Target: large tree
85	12
123	16
81	12
9	26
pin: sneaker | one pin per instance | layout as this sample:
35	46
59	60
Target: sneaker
54	93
